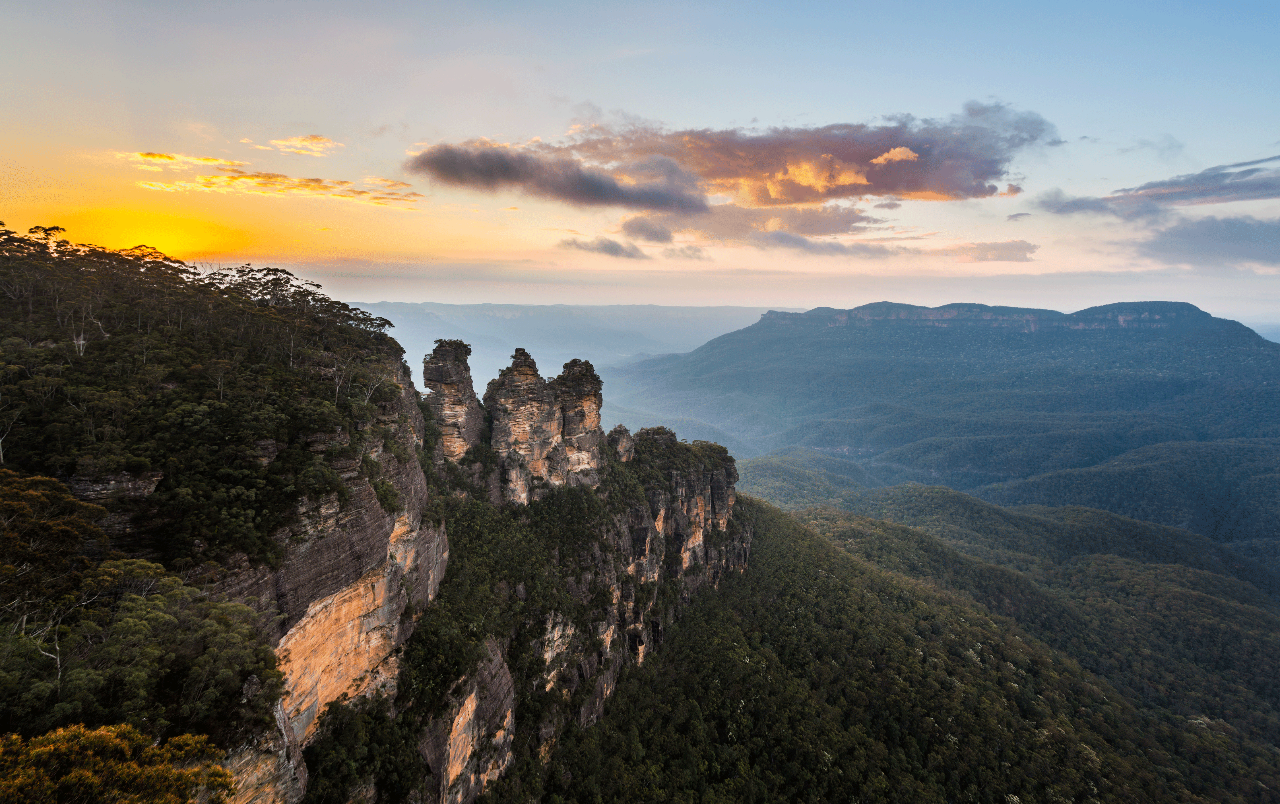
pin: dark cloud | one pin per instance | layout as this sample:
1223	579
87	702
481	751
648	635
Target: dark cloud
603	245
1242	181
825	247
964	156
685	253
1217	242
1017	216
487	167
730	222
647	229
786	185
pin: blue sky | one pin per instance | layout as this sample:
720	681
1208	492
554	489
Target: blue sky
1051	156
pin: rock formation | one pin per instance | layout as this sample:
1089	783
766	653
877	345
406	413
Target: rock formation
453	398
545	431
348	575
351	572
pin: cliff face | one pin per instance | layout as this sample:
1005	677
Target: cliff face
352	572
545	431
349	573
652	554
453	398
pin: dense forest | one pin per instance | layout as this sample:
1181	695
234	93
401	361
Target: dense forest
129	370
822	676
160	425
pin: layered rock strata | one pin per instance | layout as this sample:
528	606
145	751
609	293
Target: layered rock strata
681	537
452	397
546	432
352	572
348	575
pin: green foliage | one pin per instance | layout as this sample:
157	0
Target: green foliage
1178	639
387	495
361	741
113	763
816	677
135	645
115	641
43	534
116	364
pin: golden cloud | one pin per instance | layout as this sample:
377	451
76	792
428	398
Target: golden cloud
150	160
234	180
309	145
900	154
387	184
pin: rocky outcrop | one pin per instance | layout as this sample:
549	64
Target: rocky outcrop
631	584
470	746
353	573
348	576
545	432
452	397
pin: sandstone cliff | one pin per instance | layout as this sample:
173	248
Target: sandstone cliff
453	398
545	431
353	572
350	572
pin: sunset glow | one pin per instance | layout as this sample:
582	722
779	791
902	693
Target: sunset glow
414	141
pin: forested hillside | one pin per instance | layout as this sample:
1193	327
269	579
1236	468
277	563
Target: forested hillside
241	557
1154	410
186	403
837	675
203	392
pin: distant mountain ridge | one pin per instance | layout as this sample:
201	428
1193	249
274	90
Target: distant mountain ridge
1123	315
1016	405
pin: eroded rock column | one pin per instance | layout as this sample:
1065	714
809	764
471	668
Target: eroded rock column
452	397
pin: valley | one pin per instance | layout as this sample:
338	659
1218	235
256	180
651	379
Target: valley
236	531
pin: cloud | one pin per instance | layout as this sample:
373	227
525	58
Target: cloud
1017	216
825	247
899	154
963	156
1217	242
730	222
149	160
642	228
1007	251
1242	181
387	184
484	166
308	145
685	253
1166	148
795	181
603	245
234	180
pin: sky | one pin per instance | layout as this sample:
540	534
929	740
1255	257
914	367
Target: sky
800	155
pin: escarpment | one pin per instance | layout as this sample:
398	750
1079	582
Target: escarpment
351	570
611	535
629	527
